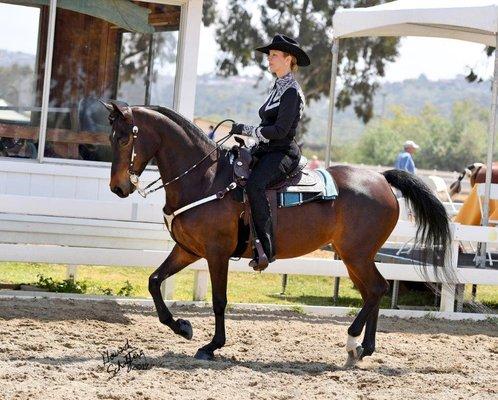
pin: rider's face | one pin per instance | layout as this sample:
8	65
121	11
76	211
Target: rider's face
279	62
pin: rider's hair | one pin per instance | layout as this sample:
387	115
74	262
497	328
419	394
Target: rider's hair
293	64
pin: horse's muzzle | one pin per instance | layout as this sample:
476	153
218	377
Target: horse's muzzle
119	191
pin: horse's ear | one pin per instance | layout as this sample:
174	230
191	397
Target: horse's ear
122	110
107	105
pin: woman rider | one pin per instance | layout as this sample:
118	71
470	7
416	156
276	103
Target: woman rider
276	150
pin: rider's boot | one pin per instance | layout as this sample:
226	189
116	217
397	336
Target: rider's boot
264	247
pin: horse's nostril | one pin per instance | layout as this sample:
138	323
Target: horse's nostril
117	190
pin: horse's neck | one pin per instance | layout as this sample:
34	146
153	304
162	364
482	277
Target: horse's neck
178	152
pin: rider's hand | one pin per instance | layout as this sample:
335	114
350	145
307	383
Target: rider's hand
237	129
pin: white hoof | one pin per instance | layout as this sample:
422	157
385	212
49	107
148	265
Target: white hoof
354	349
353	356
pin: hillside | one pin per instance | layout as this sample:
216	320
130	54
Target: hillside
239	98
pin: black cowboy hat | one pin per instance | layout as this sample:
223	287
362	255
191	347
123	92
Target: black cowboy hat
288	45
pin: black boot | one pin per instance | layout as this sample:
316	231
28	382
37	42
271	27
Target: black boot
264	241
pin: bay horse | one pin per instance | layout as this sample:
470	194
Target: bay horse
357	223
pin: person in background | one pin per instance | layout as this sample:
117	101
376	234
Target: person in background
404	161
211	132
314	163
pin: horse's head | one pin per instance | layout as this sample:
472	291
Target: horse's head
472	172
132	148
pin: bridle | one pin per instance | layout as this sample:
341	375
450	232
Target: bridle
135	177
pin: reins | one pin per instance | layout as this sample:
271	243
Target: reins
134	178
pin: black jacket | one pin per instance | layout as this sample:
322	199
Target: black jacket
280	115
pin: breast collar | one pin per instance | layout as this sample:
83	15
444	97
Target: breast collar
279	88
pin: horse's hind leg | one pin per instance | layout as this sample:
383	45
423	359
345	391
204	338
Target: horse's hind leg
176	261
218	271
368	343
372	287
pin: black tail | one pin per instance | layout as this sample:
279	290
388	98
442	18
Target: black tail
433	230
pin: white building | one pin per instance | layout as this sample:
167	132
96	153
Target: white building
83	52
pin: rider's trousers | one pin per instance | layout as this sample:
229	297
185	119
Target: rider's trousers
270	169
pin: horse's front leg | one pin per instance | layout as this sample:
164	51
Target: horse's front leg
218	271
176	261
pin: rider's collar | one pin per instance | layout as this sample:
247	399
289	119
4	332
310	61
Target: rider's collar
284	80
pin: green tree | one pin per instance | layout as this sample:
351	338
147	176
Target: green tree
445	143
378	145
361	60
472	76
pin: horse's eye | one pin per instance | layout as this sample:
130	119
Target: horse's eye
124	140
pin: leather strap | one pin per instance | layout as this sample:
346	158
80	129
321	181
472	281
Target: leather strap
272	199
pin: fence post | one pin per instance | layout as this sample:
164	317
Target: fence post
337	282
71	271
168	288
395	295
448	289
200	284
460	293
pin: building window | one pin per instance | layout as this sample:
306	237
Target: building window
22	42
147	68
116	51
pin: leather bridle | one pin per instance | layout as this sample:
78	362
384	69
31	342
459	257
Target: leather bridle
135	177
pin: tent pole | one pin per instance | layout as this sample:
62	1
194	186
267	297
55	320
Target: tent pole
491	147
333	79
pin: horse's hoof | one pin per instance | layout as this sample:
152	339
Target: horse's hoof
185	329
367	351
353	357
204	355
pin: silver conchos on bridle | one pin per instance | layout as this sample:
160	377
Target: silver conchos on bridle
134	178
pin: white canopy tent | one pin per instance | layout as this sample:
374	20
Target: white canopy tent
469	20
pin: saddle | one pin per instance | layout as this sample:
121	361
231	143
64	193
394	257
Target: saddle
301	186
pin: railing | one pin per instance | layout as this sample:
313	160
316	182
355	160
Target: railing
297	266
390	271
44	218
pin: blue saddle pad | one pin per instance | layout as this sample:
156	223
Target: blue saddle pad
315	185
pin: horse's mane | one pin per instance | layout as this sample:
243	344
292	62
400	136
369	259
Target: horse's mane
179	119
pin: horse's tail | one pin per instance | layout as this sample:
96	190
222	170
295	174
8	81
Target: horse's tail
456	186
433	230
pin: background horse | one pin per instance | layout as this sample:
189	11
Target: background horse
477	174
357	223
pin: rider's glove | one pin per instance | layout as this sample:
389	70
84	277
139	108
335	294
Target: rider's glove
248	130
237	129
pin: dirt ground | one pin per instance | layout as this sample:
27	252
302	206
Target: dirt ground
51	349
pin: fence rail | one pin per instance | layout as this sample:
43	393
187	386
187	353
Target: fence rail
297	266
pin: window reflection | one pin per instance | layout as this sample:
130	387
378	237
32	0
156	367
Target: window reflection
20	80
146	68
111	57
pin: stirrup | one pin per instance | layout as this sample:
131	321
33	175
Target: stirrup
259	265
260	261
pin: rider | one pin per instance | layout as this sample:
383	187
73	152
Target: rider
276	150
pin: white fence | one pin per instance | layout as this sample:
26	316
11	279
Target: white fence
67	215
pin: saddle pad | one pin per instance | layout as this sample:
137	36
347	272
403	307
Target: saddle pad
319	185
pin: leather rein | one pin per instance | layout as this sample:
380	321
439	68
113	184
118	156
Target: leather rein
135	177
